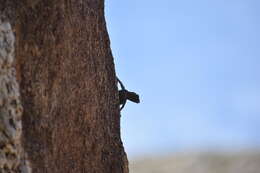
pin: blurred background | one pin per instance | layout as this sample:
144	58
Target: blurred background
196	66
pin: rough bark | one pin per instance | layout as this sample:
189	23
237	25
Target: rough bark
12	155
71	120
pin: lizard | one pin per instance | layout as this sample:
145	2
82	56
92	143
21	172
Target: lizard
125	95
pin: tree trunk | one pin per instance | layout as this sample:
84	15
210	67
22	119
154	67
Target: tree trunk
71	119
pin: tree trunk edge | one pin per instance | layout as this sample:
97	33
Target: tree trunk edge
12	156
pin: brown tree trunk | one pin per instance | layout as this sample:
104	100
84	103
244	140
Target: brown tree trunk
71	119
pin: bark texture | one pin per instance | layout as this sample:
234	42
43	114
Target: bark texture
71	120
12	156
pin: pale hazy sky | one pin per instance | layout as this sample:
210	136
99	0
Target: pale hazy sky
196	66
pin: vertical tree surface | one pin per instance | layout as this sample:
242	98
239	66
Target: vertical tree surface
71	120
12	155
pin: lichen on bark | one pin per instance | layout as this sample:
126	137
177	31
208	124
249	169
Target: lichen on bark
12	155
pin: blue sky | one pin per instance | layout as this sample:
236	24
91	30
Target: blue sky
196	66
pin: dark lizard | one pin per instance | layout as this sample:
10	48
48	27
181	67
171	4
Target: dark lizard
125	95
